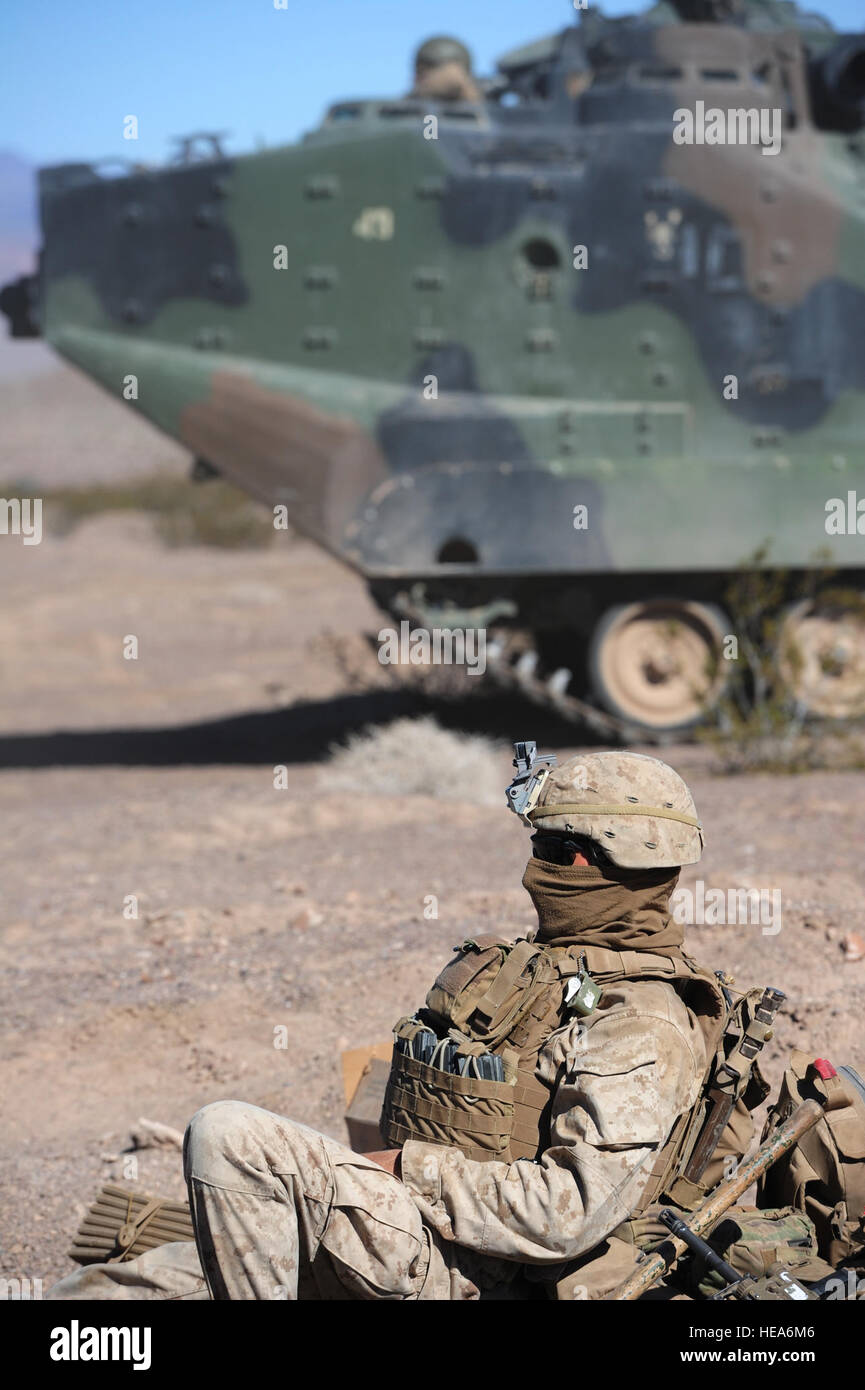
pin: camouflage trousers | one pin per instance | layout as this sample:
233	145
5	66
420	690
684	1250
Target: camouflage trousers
282	1212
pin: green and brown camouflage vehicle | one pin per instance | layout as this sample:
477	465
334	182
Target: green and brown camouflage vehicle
531	363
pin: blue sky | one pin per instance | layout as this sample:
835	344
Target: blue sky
72	69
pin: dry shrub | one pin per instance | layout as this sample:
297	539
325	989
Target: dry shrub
185	513
758	725
416	757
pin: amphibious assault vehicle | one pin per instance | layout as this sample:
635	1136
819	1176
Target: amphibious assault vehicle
552	362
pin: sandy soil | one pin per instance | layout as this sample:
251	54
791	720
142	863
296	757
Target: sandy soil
57	427
258	907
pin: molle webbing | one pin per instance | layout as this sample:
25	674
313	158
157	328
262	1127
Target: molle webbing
530	1132
423	1102
487	1120
494	996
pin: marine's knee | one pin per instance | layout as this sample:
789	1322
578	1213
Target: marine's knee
213	1131
233	1134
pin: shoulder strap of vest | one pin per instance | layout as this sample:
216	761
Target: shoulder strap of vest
604	964
608	967
604	961
705	997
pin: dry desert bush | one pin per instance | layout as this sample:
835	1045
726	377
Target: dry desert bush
416	757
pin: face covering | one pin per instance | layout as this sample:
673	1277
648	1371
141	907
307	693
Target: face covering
579	905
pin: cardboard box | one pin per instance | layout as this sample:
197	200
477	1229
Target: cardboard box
365	1072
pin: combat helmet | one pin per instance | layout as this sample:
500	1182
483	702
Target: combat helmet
636	808
435	52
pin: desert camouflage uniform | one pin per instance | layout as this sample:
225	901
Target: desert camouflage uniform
284	1212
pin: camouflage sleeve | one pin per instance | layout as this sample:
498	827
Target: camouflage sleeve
622	1083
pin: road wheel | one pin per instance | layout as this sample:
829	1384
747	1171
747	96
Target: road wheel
658	663
822	654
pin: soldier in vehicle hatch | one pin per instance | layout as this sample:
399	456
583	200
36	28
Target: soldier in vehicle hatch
443	70
539	1104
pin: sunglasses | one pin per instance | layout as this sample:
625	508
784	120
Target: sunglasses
560	849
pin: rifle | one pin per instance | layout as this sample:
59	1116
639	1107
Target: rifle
657	1262
771	1288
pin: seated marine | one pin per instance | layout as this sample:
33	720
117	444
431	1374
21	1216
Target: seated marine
550	1093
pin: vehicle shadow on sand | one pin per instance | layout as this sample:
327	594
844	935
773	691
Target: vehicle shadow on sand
299	733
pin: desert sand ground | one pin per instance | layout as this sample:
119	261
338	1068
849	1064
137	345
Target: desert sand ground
260	907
